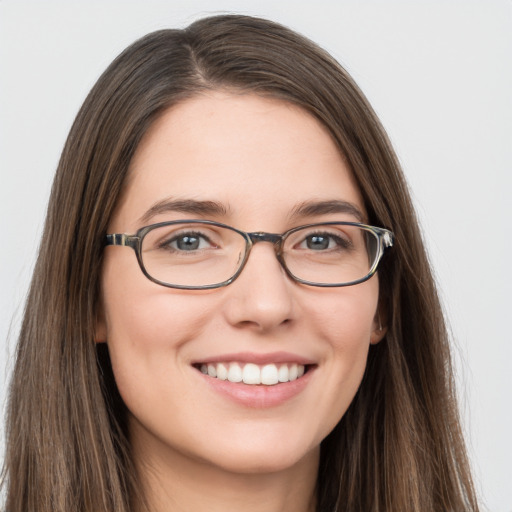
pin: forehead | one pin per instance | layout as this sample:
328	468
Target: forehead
258	157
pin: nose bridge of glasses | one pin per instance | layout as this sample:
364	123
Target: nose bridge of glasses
272	238
261	236
265	237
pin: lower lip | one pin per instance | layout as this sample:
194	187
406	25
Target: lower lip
259	396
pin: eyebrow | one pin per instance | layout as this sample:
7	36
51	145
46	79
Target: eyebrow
312	208
191	206
214	208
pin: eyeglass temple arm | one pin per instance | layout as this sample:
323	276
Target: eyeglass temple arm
387	238
122	239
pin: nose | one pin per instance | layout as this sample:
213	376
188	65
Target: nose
262	297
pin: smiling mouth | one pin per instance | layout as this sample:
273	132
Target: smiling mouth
254	374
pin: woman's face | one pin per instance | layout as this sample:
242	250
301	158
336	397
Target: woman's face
260	161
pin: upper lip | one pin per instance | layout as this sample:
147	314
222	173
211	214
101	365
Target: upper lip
256	358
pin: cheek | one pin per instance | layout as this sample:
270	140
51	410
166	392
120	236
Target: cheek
345	317
141	313
344	321
147	329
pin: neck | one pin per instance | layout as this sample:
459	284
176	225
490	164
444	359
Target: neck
175	482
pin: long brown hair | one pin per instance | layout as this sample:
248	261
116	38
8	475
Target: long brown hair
398	447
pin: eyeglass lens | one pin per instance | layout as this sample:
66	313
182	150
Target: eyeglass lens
196	254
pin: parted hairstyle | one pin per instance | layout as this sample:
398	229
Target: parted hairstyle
399	445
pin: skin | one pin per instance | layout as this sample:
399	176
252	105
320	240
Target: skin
259	158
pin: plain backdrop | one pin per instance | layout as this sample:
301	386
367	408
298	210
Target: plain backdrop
439	74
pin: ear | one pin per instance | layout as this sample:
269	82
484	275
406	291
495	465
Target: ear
379	328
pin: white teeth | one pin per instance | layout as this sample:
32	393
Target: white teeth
234	373
269	375
222	372
284	374
252	374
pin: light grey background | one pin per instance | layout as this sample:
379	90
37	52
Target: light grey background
439	74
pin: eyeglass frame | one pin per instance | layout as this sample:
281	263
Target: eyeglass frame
384	236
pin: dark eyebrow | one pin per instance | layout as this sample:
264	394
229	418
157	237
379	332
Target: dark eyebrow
312	208
191	206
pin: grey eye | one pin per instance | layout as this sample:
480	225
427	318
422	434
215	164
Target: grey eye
188	242
318	242
323	242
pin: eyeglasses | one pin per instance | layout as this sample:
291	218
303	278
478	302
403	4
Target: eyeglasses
202	254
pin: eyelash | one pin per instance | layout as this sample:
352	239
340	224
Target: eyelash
339	241
166	244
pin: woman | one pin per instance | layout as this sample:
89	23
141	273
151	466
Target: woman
247	356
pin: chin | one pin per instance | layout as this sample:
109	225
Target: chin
262	451
270	461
